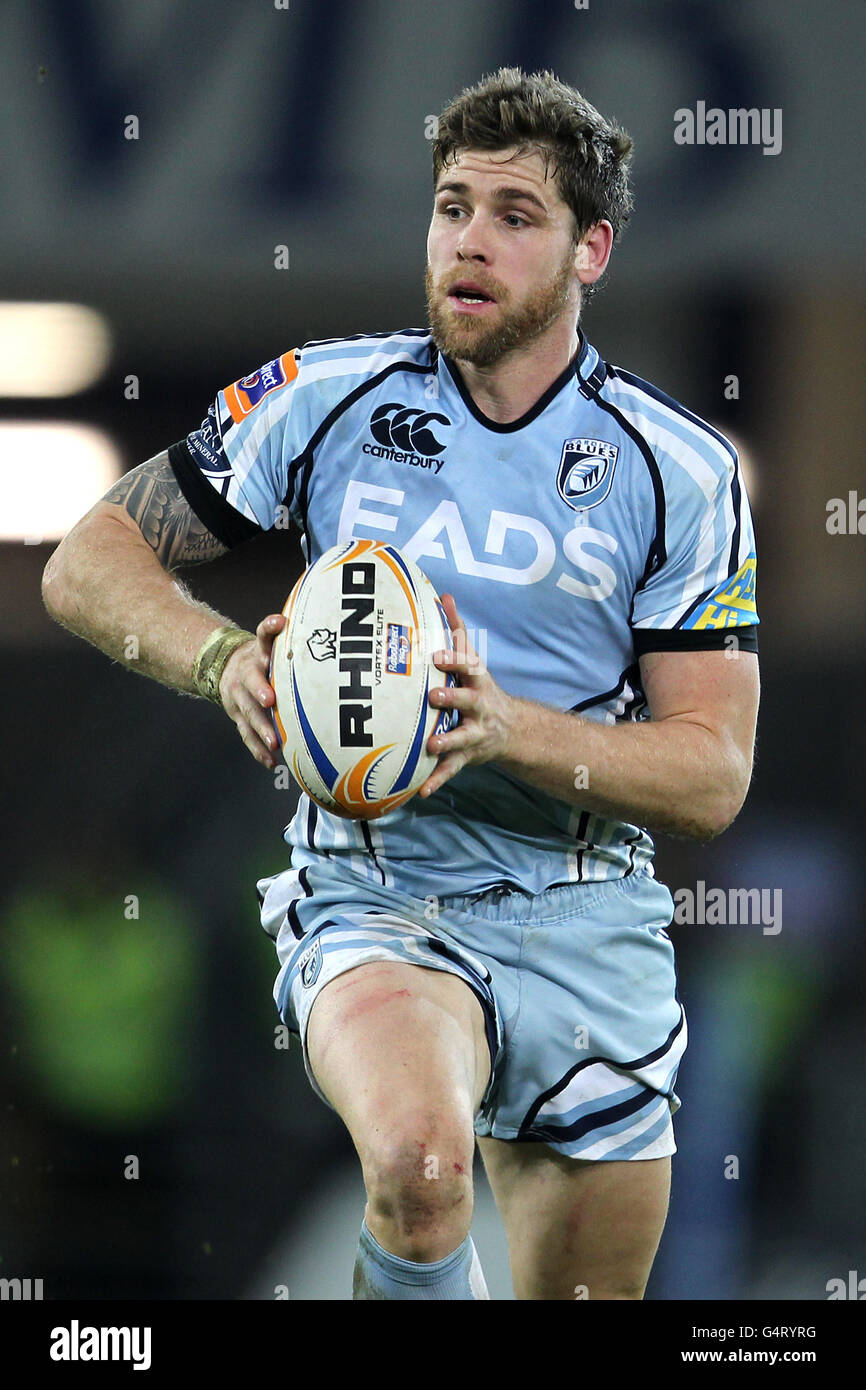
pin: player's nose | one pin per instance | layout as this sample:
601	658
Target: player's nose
473	243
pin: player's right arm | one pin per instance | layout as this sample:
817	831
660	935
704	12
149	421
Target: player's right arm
110	581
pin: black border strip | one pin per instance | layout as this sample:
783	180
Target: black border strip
667	639
213	511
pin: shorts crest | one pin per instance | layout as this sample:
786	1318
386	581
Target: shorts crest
310	964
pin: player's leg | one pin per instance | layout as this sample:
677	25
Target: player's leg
577	1229
401	1053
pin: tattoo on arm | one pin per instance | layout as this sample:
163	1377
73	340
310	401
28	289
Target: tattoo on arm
152	496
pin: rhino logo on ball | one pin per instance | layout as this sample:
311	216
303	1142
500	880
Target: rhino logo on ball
322	644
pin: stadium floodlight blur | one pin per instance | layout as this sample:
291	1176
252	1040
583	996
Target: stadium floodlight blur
48	473
51	349
50	470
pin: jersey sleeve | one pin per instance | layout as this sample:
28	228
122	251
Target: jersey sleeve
239	468
700	590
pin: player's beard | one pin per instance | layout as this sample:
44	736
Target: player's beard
471	339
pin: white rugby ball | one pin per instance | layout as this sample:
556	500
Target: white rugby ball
352	670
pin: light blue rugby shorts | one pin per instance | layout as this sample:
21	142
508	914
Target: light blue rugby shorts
578	987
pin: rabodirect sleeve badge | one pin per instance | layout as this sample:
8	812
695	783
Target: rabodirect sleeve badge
243	396
586	471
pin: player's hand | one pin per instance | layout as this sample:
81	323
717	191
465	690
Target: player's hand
247	694
486	712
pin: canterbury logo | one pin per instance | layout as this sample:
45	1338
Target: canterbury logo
405	427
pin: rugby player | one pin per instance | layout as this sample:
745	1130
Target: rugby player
489	961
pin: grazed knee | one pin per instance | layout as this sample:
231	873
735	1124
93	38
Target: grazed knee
419	1186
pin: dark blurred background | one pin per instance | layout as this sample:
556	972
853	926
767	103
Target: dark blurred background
215	183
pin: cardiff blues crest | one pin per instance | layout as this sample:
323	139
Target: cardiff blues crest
310	964
586	471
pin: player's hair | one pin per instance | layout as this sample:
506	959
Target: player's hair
591	155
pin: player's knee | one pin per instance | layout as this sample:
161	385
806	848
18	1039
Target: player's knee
421	1183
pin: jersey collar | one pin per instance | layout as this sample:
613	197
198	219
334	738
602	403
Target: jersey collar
588	364
584	364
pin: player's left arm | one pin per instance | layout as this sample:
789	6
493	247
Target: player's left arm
686	770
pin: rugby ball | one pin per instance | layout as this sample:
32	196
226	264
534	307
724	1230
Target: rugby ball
352	670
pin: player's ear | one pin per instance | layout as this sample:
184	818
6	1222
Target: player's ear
592	252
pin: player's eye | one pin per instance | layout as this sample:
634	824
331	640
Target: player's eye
515	220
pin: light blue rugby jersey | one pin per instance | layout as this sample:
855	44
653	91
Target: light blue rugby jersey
606	522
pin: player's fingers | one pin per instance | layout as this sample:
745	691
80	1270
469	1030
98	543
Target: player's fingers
464	736
460	636
445	770
253	742
266	632
244	707
455	622
247	669
270	626
454	697
465	663
255	675
262	690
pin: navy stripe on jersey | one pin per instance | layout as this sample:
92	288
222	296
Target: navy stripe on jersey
657	553
673	405
305	459
360	337
633	707
509	426
212	510
630	676
734	562
663	399
591	386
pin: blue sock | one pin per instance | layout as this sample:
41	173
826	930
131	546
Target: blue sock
379	1274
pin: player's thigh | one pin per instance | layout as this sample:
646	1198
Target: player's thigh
391	1043
577	1228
